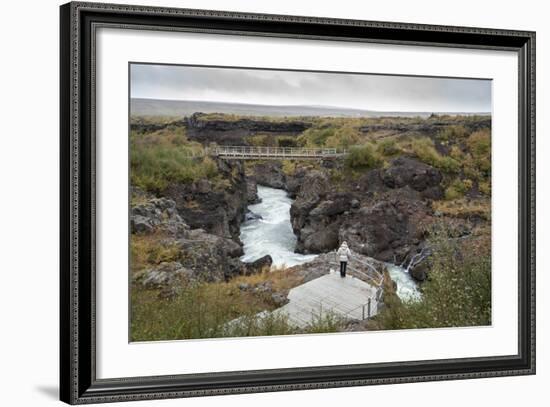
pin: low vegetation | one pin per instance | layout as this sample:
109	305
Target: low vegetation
166	156
221	309
457	293
364	157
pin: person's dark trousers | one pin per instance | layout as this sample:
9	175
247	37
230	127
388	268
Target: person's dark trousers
343	265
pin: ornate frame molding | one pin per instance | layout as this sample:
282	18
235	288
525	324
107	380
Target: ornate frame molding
77	250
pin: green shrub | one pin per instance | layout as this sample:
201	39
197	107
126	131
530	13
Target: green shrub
456	153
388	147
287	142
424	149
260	140
363	157
324	322
315	137
288	167
344	137
479	144
457	292
457	189
449	133
485	188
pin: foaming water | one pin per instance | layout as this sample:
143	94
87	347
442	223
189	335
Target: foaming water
272	234
407	289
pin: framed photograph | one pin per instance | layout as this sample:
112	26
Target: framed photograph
254	203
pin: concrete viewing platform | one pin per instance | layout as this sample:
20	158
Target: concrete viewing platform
345	297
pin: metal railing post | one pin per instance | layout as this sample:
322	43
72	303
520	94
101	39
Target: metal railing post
368	305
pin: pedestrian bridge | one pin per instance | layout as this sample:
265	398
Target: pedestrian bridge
274	153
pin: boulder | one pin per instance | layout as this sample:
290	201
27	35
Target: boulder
152	214
420	271
270	174
251	216
408	171
141	225
279	299
258	265
166	274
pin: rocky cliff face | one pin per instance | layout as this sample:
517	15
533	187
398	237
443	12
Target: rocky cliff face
217	207
384	216
196	255
233	132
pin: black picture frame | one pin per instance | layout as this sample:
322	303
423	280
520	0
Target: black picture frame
78	382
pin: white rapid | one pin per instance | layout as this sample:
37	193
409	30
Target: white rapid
407	288
272	234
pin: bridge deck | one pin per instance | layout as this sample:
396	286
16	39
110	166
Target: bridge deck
344	297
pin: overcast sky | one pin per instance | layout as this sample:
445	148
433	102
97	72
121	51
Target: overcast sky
273	87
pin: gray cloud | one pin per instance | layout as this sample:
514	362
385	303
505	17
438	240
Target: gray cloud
275	87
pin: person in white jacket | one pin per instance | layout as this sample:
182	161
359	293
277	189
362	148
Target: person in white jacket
343	253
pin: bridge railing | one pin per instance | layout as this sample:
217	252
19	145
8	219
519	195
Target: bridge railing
364	311
375	278
252	151
375	274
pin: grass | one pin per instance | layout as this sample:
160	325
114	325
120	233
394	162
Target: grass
452	132
464	208
198	311
166	156
151	250
203	310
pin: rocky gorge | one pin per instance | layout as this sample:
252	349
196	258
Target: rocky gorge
203	231
383	214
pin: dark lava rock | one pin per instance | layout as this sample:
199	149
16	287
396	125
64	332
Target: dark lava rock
252	191
258	265
407	171
252	216
156	214
420	272
388	229
202	128
430	127
217	209
165	274
295	181
270	174
209	257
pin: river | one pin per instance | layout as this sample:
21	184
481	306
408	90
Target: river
271	233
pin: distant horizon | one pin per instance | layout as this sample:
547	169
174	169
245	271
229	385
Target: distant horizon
272	87
312	106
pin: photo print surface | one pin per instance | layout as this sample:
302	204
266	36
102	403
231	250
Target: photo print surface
279	202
